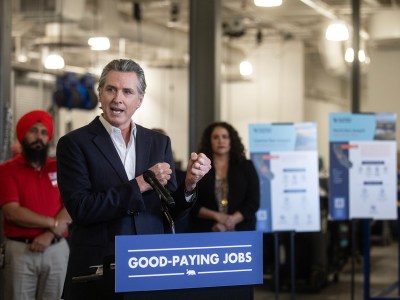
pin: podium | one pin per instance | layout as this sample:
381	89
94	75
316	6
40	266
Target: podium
101	287
210	266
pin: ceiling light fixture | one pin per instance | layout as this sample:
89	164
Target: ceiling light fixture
246	69
22	58
325	10
19	51
54	61
349	56
99	43
268	3
337	31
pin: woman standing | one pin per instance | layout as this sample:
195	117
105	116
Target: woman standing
229	195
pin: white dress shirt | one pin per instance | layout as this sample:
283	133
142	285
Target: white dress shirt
127	153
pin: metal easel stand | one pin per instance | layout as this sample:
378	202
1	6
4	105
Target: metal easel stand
292	264
382	295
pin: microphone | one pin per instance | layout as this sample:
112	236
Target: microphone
151	179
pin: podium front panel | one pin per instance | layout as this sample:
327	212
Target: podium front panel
182	261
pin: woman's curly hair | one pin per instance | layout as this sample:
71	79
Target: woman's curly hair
237	151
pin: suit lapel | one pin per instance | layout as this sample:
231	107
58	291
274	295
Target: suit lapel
105	145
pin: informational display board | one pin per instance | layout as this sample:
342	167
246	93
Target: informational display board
363	167
286	159
195	260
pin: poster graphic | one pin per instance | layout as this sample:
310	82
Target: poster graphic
362	174
285	157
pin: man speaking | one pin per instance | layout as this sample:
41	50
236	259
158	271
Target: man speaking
100	175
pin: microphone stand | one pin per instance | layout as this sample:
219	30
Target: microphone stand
168	217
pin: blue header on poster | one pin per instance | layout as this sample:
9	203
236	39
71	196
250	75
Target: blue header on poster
345	127
177	261
282	137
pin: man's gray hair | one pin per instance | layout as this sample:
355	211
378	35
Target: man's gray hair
124	65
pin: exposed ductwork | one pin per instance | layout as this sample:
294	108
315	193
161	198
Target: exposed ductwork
384	27
144	40
155	32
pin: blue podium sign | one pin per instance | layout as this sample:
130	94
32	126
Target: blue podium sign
178	261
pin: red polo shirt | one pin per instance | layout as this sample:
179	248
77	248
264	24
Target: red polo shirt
32	189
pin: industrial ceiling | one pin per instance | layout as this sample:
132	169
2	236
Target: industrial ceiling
156	31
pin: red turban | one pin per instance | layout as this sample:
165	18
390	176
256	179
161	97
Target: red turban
30	119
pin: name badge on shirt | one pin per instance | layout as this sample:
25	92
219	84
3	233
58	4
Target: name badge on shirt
53	178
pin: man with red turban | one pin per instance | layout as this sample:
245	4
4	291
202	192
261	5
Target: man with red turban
35	220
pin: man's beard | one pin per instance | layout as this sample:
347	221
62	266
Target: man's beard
35	152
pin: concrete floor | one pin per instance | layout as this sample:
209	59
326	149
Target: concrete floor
384	265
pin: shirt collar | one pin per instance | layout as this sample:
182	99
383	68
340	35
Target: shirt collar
21	159
111	128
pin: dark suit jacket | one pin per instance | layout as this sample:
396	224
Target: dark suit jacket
243	196
101	200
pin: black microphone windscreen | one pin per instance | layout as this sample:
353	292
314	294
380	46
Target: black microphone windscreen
149	175
151	179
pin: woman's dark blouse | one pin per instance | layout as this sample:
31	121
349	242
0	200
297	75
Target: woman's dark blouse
243	196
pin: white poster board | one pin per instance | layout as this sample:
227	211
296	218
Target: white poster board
363	166
286	159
